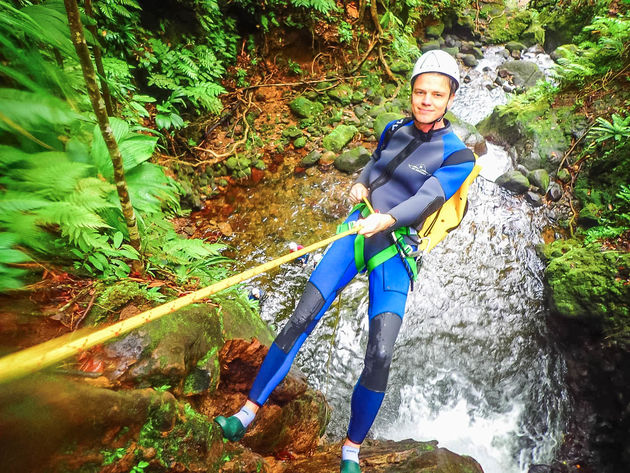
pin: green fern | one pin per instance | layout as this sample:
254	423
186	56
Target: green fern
10	277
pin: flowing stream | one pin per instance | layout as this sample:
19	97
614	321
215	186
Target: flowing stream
474	367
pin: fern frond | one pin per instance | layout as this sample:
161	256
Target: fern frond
16	201
53	175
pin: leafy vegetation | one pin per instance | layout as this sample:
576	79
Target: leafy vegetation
58	201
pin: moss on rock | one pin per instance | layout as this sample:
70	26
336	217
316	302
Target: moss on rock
589	283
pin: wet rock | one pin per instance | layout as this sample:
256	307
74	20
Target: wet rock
539	178
310	159
516	55
453	51
514	181
339	137
504	53
537	49
386	456
554	193
534	198
305	108
468	134
524	73
514	46
353	160
470	60
508	88
430	45
477	52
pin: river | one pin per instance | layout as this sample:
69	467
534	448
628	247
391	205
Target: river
474	367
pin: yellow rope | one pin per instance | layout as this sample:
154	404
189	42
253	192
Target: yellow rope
53	351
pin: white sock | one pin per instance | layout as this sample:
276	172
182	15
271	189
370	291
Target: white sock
246	416
351	453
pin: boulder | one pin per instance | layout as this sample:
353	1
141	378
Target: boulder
539	178
339	137
353	160
514	181
305	108
524	73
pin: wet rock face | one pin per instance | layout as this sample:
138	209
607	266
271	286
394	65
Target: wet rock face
598	380
386	456
293	420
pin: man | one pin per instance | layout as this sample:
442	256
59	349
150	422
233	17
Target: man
418	165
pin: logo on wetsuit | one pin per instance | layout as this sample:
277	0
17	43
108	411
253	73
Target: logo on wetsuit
421	169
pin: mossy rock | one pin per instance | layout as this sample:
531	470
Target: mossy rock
430	45
342	94
352	160
305	108
508	27
539	178
589	283
401	67
524	73
565	51
434	31
311	159
514	46
383	119
339	137
514	181
299	142
292	132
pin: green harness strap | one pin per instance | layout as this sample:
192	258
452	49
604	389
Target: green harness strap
383	255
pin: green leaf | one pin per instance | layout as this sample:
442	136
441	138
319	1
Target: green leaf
118	238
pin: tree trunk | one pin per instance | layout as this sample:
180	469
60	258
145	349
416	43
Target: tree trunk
98	60
78	39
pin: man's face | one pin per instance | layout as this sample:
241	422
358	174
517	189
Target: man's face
430	96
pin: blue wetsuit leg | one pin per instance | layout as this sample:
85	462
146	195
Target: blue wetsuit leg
389	284
332	274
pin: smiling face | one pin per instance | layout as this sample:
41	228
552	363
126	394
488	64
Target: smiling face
430	97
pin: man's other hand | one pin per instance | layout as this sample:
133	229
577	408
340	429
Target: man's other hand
357	193
375	223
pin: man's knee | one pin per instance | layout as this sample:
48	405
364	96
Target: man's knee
384	330
305	313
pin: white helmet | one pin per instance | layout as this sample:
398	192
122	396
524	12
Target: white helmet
436	61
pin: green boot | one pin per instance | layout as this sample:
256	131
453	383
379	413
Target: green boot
348	466
232	428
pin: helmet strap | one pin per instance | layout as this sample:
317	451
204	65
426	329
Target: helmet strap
426	136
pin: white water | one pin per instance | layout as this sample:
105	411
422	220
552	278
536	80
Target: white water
473	367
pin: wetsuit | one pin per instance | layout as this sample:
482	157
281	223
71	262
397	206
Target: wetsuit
409	178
